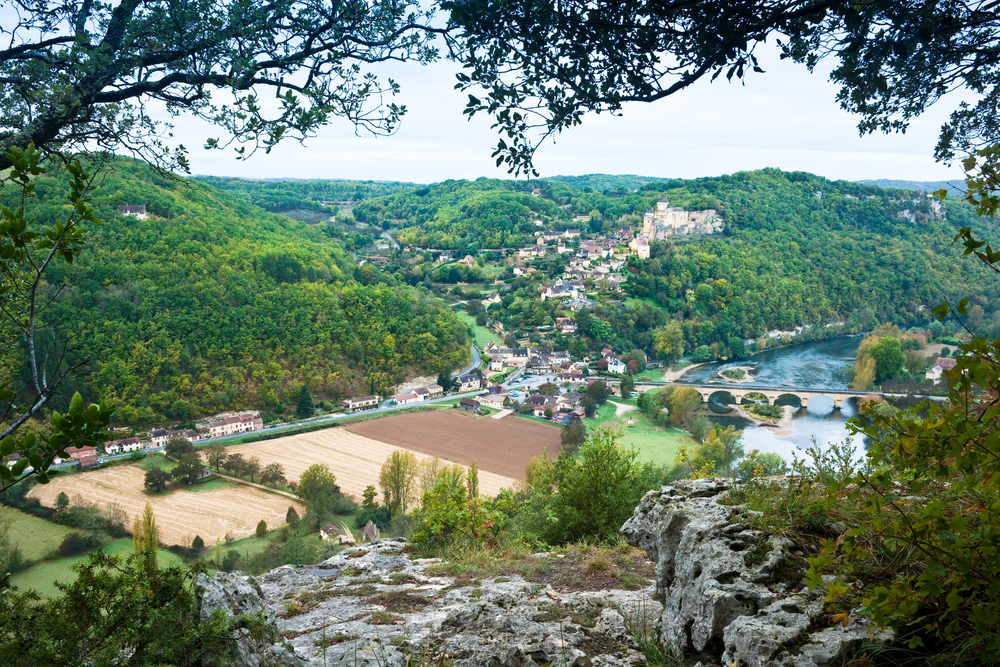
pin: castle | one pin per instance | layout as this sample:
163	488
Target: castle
665	221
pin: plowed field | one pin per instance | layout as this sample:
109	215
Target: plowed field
501	446
181	514
355	459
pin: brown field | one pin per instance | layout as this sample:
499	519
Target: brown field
501	446
355	459
181	514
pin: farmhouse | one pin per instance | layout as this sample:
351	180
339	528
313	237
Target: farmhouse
88	461
468	382
435	389
551	407
493	400
188	434
79	452
243	423
332	532
470	404
370	532
566	324
362	402
126	445
159	437
406	399
135	210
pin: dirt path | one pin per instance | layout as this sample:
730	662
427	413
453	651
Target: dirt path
621	408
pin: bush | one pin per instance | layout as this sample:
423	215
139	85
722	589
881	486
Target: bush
74	544
197	543
262	528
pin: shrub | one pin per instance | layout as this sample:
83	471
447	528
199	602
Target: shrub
74	544
262	528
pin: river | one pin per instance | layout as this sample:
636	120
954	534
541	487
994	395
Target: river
818	365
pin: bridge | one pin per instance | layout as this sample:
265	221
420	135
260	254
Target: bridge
738	392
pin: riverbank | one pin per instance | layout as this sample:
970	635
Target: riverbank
781	429
671	376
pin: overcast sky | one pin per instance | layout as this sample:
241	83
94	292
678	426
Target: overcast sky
785	118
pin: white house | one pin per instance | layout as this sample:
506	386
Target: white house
405	399
616	366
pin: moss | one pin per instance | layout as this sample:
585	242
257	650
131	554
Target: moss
330	640
759	553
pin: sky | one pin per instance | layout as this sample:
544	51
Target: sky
786	118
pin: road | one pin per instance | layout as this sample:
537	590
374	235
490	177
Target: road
476	360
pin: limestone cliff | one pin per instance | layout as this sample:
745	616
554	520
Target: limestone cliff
722	591
732	594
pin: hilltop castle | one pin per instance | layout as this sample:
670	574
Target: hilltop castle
665	221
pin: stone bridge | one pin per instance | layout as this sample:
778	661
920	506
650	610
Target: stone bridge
738	392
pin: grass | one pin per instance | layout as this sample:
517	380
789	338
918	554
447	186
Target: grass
576	567
41	577
35	537
655	443
481	335
650	375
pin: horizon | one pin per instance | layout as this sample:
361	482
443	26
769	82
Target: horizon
786	118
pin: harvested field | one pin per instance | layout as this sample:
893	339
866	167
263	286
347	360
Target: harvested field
501	446
355	459
179	515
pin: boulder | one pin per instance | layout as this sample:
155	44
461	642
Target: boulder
237	594
731	593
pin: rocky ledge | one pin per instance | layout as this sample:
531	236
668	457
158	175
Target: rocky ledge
374	606
723	592
730	593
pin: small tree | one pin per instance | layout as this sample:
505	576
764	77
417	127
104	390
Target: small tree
369	496
197	543
444	379
291	516
156	480
215	454
273	473
627	386
177	447
188	470
574	435
396	479
548	413
145	536
234	464
304	403
252	467
62	502
262	528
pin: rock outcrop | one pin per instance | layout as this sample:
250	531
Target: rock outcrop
721	590
373	606
731	593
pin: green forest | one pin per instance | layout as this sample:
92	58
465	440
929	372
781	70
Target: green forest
214	304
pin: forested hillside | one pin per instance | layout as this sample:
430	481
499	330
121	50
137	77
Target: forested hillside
287	195
797	249
215	304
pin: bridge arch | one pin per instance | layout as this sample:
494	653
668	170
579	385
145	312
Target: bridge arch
720	400
789	398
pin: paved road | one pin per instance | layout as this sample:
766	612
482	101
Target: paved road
476	360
